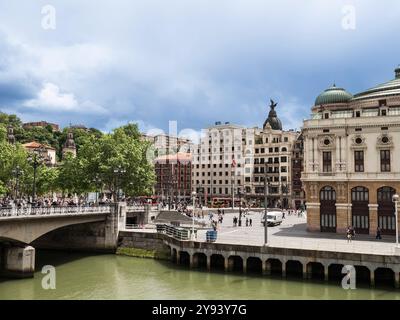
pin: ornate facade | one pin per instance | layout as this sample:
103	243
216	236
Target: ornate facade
352	159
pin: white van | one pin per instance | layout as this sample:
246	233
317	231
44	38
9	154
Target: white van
274	217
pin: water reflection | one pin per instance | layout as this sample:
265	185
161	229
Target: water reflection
81	276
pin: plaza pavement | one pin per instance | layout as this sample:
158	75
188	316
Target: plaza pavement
292	233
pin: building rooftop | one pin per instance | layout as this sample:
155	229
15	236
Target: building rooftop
333	95
36	145
180	156
389	88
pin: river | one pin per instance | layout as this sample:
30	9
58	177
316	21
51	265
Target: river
82	276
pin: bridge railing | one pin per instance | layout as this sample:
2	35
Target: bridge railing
134	208
56	210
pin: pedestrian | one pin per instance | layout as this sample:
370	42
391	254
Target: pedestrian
251	222
247	222
378	234
348	232
353	233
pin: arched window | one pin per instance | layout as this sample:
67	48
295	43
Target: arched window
284	149
386	194
386	209
359	194
328	193
328	209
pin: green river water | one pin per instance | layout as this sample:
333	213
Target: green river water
82	276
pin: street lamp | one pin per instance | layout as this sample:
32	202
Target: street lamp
36	158
240	207
118	171
194	200
99	188
17	172
266	192
395	199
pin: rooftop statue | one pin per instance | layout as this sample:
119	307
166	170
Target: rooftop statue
273	104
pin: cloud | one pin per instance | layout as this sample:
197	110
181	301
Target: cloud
153	61
50	98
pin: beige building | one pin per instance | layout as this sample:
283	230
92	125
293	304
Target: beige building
232	162
47	152
218	162
167	144
352	159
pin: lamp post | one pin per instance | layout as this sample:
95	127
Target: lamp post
266	192
118	171
17	172
97	181
240	207
395	199
36	158
194	201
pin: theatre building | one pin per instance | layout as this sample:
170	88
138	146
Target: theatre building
352	159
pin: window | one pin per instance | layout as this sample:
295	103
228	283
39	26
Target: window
359	161
327	161
385	160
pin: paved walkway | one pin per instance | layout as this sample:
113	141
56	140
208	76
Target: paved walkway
292	233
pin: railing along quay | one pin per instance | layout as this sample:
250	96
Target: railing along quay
53	210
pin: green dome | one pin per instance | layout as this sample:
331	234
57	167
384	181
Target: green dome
333	95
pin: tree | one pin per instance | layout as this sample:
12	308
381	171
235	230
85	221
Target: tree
100	157
3	133
11	157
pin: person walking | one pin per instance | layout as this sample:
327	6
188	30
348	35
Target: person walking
251	222
348	232
247	222
378	234
353	233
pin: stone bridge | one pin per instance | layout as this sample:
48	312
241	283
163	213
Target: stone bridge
91	228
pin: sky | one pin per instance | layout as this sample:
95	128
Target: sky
106	63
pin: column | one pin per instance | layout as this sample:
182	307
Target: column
19	262
373	218
178	257
396	279
326	272
244	265
266	268
226	264
209	262
191	261
372	276
313	217
343	217
283	269
305	269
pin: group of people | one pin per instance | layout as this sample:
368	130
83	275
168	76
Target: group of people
351	233
237	222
